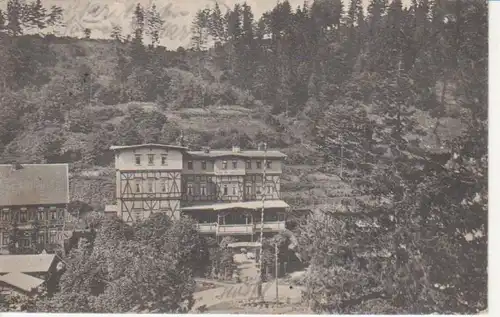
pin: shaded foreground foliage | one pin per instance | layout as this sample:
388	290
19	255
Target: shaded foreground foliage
145	268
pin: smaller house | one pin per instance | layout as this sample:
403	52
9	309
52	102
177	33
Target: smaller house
20	284
24	274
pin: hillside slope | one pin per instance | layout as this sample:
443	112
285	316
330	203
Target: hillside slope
60	123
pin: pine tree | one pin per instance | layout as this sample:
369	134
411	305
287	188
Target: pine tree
154	25
37	15
116	32
200	29
2	21
87	32
14	18
216	25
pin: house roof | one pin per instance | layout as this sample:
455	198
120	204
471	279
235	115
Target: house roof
147	145
241	153
254	205
22	281
26	263
34	184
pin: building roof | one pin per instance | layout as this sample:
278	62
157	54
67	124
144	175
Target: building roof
147	145
254	205
26	263
241	153
22	281
34	184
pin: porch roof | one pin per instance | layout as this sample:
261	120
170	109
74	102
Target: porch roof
22	281
254	205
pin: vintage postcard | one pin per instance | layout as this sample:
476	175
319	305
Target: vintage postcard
258	157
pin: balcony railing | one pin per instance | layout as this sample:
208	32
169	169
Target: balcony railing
235	229
207	227
230	229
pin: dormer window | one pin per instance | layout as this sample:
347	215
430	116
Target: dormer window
259	164
137	159
268	163
151	159
224	165
190	165
235	164
164	159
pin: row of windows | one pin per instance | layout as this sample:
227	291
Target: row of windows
151	159
41	214
203	189
235	164
26	242
164	162
151	186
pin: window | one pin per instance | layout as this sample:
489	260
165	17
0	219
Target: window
53	213
41	238
5	214
203	165
151	159
137	187
190	189
259	164
268	164
190	165
203	190
60	213
137	159
249	164
224	165
5	238
163	187
150	186
24	243
249	189
52	237
225	189
234	190
235	164
23	215
164	159
269	189
41	214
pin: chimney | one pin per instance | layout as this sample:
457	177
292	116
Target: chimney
206	149
236	149
16	166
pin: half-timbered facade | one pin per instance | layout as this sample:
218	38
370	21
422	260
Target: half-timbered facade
34	200
148	180
222	189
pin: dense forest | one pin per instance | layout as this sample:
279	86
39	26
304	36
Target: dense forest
392	100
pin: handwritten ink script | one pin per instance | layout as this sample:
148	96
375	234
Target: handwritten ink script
246	290
100	17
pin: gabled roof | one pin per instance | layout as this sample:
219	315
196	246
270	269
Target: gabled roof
241	153
22	281
26	263
34	184
254	205
148	145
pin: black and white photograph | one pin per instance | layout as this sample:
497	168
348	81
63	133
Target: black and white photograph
244	157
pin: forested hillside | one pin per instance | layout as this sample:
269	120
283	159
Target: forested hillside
390	104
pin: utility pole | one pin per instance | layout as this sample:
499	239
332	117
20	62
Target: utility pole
276	270
341	155
259	278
